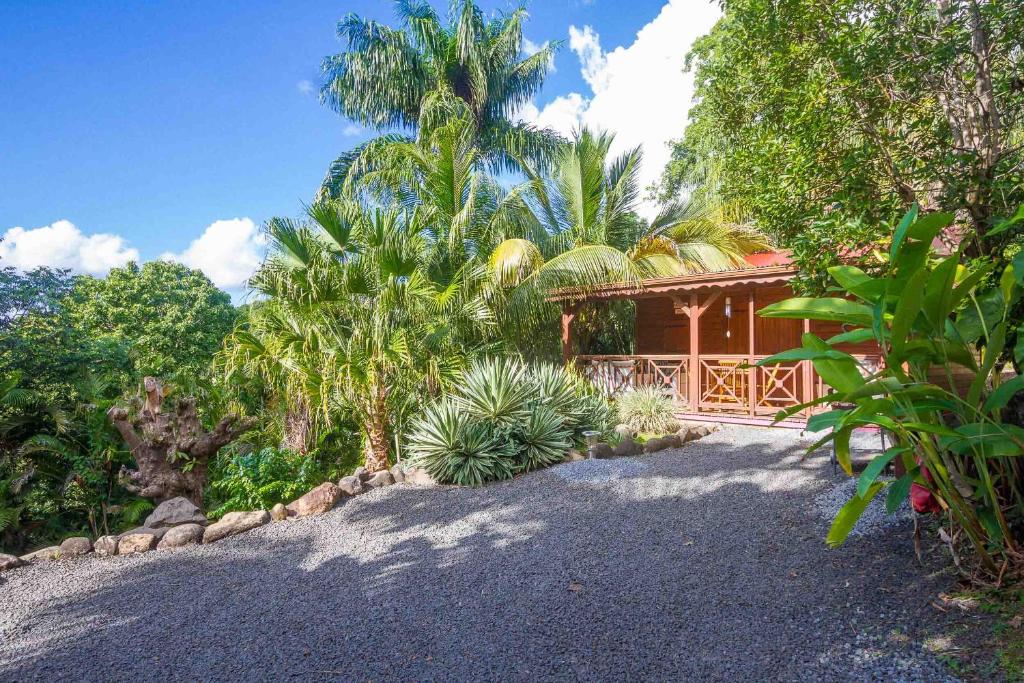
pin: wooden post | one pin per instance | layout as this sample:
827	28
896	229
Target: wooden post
752	372
693	376
808	378
568	315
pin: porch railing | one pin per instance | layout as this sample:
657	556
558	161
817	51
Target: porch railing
726	383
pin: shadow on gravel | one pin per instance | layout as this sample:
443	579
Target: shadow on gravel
645	577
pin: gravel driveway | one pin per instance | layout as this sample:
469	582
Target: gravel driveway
706	562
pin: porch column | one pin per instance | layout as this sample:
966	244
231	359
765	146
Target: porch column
693	376
808	378
568	315
752	372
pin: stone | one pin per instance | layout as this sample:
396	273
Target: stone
131	544
235	523
279	513
362	473
627	447
158	533
574	456
687	433
182	535
173	512
105	546
43	555
672	441
351	485
654	445
397	473
74	546
10	562
601	450
315	502
417	476
625	431
380	480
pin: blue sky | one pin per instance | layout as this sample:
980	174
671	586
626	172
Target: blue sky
145	123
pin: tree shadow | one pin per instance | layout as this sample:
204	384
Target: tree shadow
705	562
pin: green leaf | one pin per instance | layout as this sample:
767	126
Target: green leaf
899	490
875	467
842	446
907	308
858	336
998	399
804	354
848	515
842	375
926	228
856	281
1007	223
901	232
828	308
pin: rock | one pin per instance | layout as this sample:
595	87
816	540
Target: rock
672	441
601	450
182	535
688	432
74	546
672	425
235	523
627	447
397	473
279	513
574	456
317	501
351	485
625	431
10	562
654	445
131	544
105	545
43	555
417	476
173	512
158	533
362	473
380	480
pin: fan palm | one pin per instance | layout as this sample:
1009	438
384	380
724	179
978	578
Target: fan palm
423	74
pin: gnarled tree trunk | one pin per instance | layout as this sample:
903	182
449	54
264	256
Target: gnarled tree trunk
173	451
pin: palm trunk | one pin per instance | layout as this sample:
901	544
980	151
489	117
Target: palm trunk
375	447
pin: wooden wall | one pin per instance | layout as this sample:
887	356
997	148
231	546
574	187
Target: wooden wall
659	330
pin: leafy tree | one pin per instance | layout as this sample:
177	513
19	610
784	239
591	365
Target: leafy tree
424	73
169	318
847	112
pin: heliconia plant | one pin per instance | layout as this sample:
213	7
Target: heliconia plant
941	328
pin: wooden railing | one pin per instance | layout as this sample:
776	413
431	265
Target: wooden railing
726	383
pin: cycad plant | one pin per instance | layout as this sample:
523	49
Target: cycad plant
424	73
940	394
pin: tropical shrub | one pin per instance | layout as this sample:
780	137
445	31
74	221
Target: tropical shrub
937	324
506	417
260	479
646	409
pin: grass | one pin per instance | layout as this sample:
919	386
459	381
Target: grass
999	653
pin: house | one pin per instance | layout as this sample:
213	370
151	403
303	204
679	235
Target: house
698	337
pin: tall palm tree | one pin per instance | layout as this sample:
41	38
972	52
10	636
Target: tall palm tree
422	74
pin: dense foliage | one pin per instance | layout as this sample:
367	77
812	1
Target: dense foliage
940	396
505	417
823	122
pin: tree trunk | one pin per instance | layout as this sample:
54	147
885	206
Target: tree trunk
297	428
173	452
376	444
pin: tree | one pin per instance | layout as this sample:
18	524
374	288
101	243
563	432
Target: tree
423	74
169	318
173	452
845	113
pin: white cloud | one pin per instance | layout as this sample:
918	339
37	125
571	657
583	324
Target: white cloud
638	92
351	130
531	48
228	251
304	86
62	245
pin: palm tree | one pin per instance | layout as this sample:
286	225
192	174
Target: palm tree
424	73
370	333
586	230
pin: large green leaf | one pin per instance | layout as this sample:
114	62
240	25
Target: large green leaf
875	467
998	399
857	282
829	309
848	515
899	490
842	375
907	308
901	232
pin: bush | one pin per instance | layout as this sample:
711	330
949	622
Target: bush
506	418
647	409
261	479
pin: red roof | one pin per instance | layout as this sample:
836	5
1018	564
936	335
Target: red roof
769	258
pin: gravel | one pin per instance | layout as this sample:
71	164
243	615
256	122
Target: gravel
873	520
706	562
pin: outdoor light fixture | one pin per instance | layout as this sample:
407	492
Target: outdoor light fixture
591	437
728	317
